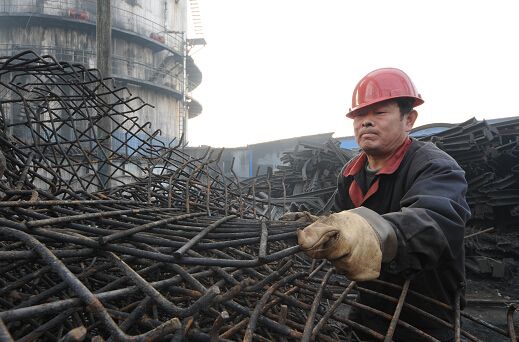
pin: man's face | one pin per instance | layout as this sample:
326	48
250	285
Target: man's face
380	129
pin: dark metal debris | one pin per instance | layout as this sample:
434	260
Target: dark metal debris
131	239
306	180
489	154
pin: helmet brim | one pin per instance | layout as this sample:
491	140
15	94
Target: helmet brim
355	111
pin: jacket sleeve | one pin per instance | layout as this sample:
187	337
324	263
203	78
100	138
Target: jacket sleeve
341	193
430	225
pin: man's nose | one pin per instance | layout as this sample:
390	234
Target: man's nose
367	123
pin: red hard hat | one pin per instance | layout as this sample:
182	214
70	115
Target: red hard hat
380	85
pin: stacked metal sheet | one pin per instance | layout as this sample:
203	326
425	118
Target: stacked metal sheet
489	154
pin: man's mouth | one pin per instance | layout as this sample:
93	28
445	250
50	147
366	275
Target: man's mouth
367	134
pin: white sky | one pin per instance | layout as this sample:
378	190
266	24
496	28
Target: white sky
276	69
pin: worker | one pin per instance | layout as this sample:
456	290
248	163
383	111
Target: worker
400	213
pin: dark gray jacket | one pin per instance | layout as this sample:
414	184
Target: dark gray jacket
423	202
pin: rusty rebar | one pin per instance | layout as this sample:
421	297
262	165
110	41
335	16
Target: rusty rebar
172	249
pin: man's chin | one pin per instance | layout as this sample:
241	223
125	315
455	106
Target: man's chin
370	148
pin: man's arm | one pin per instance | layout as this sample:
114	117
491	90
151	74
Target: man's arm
341	194
430	226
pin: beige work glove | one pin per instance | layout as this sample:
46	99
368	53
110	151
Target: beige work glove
346	239
299	216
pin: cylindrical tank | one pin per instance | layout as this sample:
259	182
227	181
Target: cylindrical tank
149	53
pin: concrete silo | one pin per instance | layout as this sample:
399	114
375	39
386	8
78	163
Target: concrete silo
149	49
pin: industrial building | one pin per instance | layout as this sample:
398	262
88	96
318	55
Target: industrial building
150	50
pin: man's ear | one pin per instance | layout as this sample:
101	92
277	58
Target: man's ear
409	120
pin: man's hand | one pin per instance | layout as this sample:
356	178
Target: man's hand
348	241
299	216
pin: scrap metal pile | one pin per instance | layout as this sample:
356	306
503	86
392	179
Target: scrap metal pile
306	180
107	233
489	154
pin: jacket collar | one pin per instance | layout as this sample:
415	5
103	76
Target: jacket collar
355	193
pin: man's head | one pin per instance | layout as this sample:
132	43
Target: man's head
382	127
383	110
